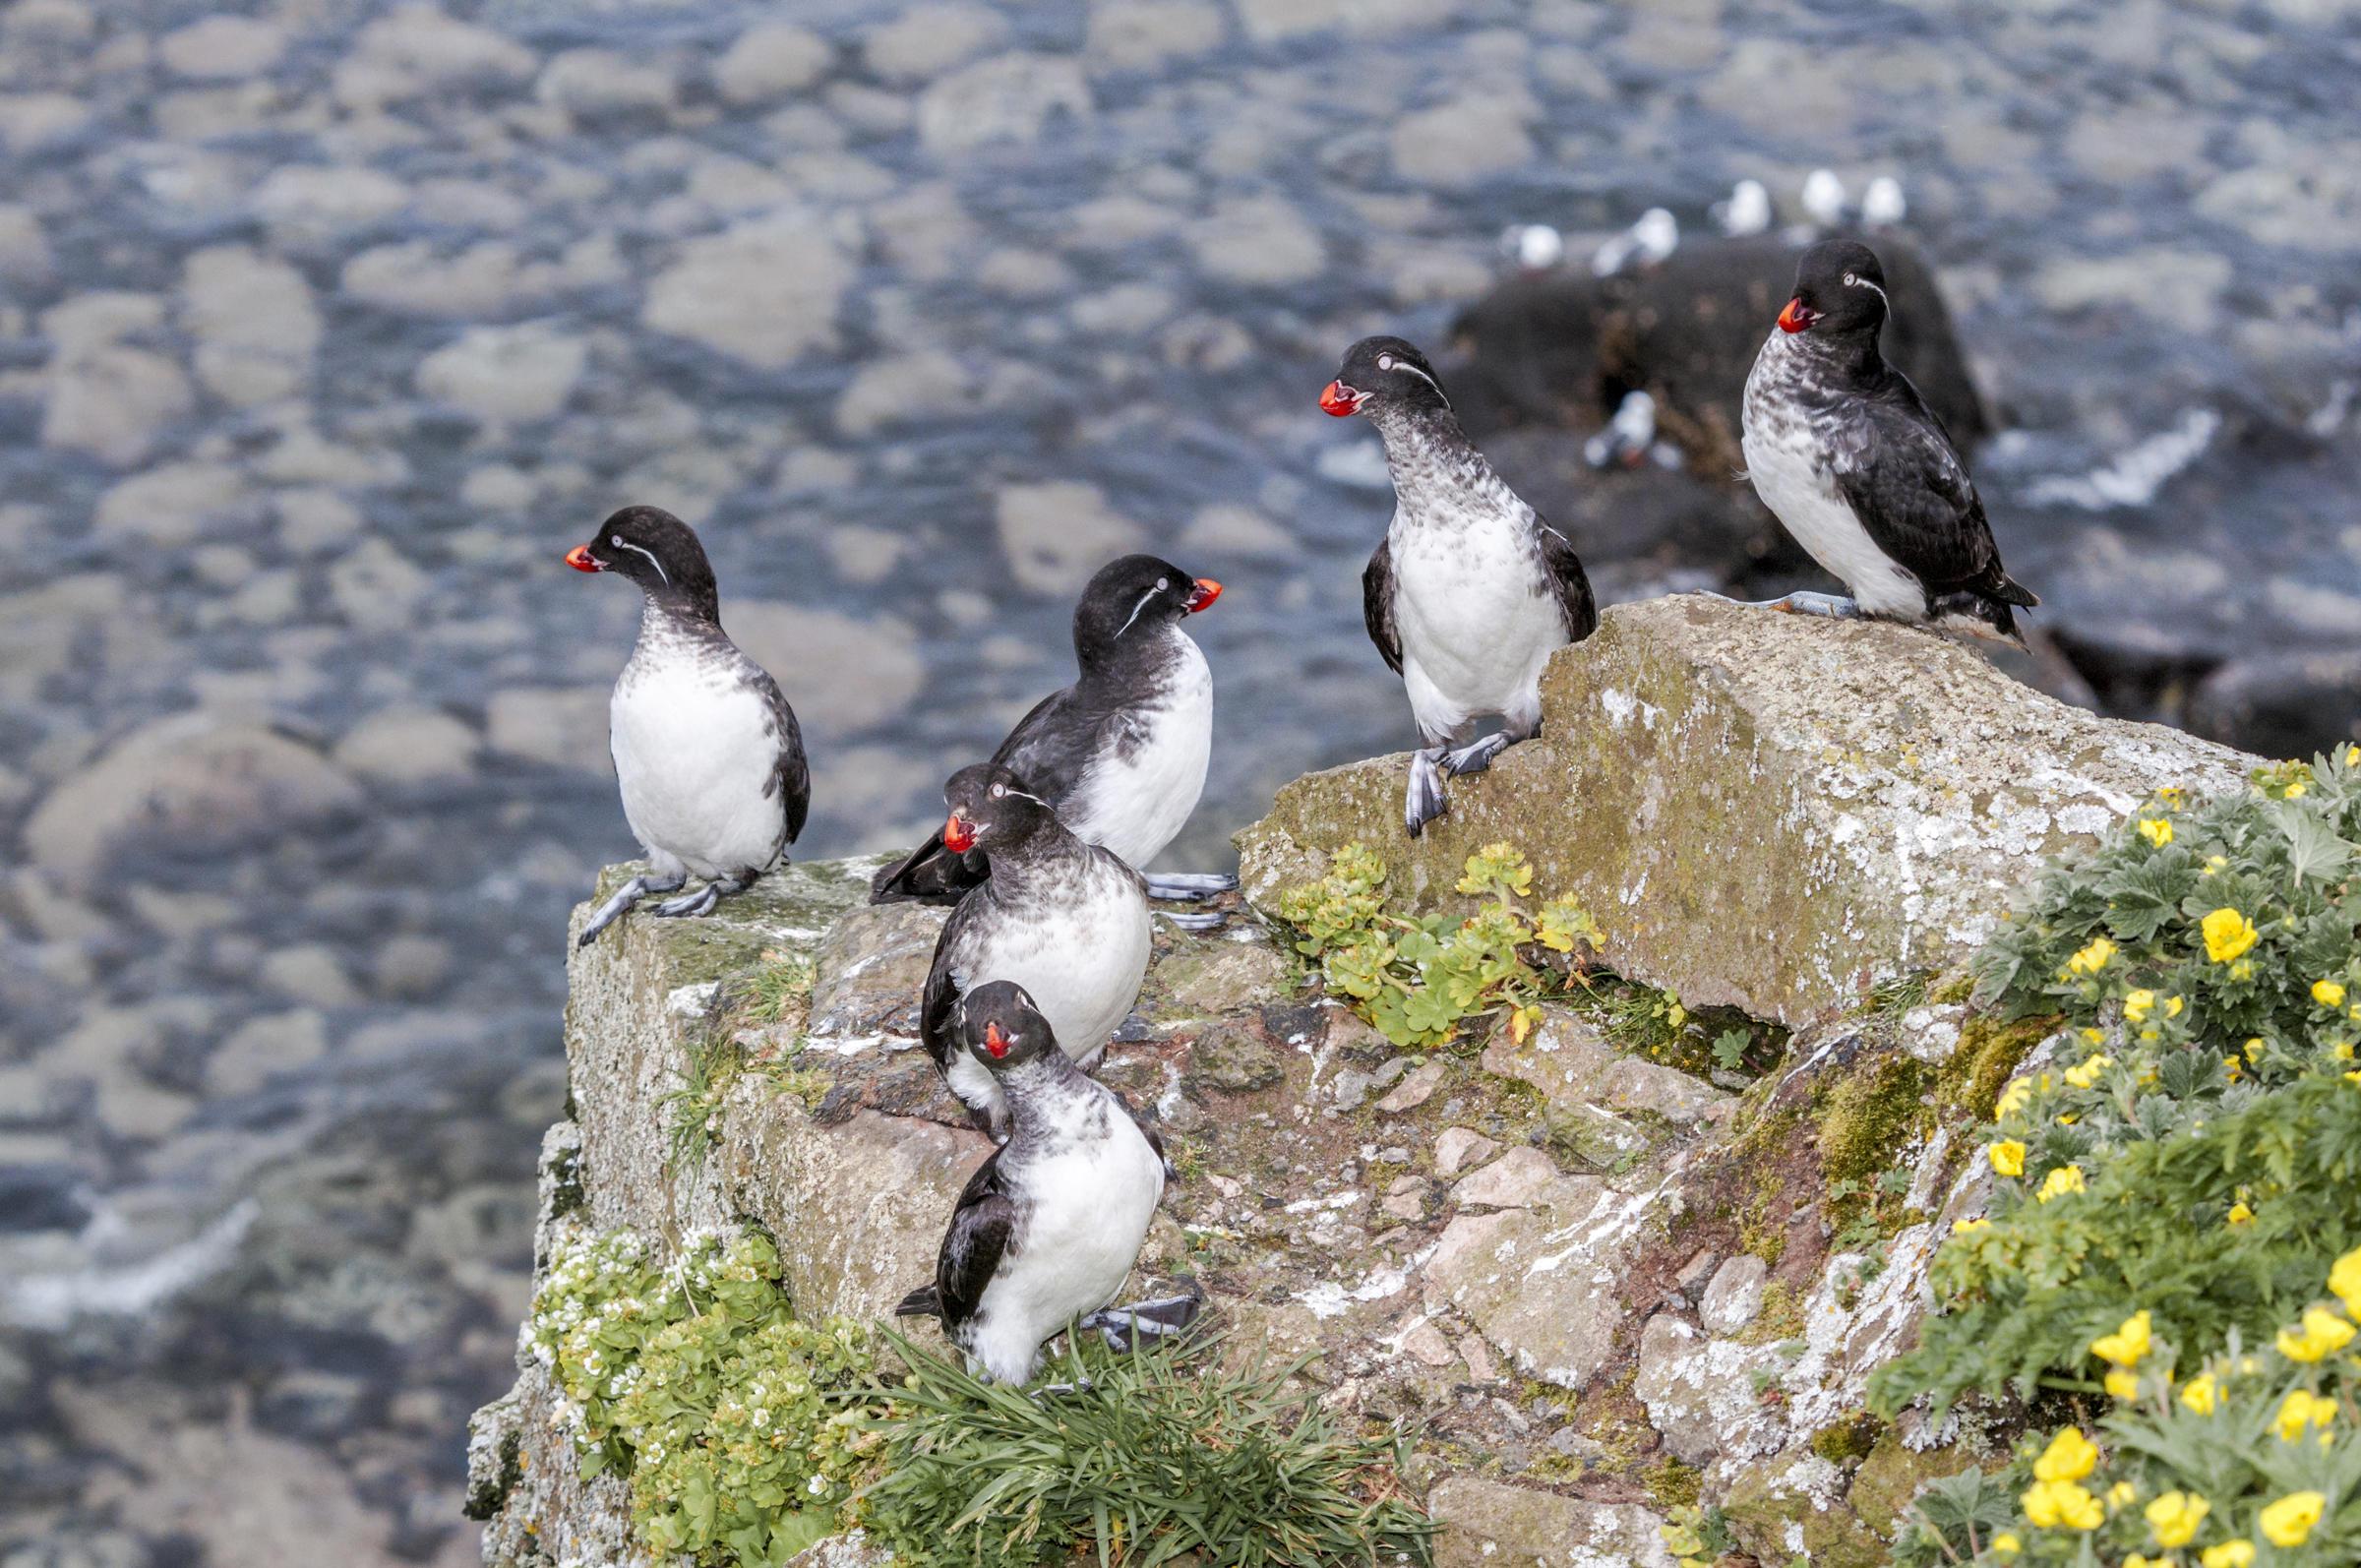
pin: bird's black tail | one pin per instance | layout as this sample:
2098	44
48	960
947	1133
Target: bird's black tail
2010	591
932	875
925	1301
1978	612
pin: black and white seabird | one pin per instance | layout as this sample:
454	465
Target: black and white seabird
1120	755
1841	448
1471	591
1048	1227
1067	919
707	750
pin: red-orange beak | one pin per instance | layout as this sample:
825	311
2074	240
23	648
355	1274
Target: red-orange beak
1339	399
1797	315
1202	596
581	560
958	834
995	1042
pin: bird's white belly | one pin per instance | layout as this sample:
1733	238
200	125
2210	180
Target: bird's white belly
1089	1211
1083	968
1139	796
1804	498
695	760
1473	633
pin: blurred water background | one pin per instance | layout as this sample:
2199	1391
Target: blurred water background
326	328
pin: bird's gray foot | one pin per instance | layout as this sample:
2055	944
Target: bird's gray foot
1078	1386
1205	919
630	894
1477	757
1835	606
704	900
1188	885
1422	798
1151	1322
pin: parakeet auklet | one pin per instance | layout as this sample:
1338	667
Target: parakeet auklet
1842	451
707	750
1120	754
1471	591
1065	919
1050	1225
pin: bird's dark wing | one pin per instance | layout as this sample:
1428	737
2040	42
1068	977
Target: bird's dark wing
932	875
1377	605
982	1231
1896	468
939	1004
1571	586
791	780
1053	745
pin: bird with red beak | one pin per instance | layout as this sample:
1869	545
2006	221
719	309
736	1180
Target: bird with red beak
709	758
1851	462
1470	592
1067	919
1120	756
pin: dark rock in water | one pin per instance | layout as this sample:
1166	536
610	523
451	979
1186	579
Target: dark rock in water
1562	348
35	1197
2286	704
1546	358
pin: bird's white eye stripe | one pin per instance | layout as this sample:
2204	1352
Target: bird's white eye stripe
1423	376
619	540
1135	609
1857	280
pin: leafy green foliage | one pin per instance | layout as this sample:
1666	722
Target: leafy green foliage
1953	1519
2193	1146
1697	1538
1148	1458
697	1383
2258	1447
756	1028
1419	979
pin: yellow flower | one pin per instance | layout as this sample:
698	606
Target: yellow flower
2254	1048
2175	1516
2093	957
2006	1545
2155	830
2240	1213
2070	1456
2300	1409
2227	934
2203	1393
2128	1344
1965	1227
2122	1384
2173	1006
2141	1559
2344	1279
2014	1098
2352	756
2123	1491
2322	1331
2084	1074
2289	1520
2006	1157
2061	1180
2138	1004
2239	1554
2328	993
2062	1505
2243	969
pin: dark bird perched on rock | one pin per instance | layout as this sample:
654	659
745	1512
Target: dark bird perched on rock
1471	591
1120	754
707	751
1048	1227
1843	450
1065	919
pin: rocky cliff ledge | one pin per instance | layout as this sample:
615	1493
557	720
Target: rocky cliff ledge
1595	1287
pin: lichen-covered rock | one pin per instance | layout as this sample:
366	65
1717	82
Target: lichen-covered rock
1767	812
1570	1062
1488	1525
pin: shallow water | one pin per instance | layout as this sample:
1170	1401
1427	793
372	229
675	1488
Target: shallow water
327	335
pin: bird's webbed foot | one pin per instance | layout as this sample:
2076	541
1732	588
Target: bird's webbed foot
702	902
1151	1322
1186	886
1423	797
630	894
1476	758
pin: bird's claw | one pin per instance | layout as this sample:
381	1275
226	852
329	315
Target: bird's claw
1477	757
1423	798
630	894
1185	886
1208	920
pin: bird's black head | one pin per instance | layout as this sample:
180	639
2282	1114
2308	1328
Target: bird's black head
654	549
1839	288
990	809
1002	1028
1382	375
1133	596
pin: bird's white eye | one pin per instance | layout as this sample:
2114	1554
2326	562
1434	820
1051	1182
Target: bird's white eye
615	538
1163	583
1852	282
1385	361
999	791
